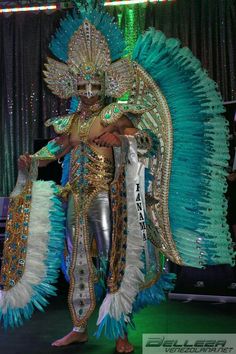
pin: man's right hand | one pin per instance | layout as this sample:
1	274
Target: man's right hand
24	161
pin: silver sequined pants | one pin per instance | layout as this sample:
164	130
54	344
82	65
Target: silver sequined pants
100	227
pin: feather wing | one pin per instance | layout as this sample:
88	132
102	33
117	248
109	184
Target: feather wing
59	79
190	170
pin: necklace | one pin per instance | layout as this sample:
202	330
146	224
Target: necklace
86	117
84	126
86	111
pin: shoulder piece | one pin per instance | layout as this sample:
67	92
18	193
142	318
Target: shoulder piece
61	125
114	111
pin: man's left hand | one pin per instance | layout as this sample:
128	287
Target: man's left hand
107	139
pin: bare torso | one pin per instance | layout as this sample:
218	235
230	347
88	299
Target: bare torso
91	132
86	131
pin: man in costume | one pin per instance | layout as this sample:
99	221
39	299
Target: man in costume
92	196
143	179
91	171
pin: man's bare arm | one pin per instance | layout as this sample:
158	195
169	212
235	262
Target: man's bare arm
110	135
147	141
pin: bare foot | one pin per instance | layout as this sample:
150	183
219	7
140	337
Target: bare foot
72	337
123	345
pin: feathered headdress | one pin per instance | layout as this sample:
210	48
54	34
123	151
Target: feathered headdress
89	45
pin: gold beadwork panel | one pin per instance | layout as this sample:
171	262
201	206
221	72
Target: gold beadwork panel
15	245
119	232
158	119
114	111
90	173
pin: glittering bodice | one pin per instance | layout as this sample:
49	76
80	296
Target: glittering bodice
89	171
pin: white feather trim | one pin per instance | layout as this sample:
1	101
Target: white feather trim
121	302
35	269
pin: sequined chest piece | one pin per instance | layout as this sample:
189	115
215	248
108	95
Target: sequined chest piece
90	172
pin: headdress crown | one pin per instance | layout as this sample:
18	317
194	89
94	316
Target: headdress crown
88	43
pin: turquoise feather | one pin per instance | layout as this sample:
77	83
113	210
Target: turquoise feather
15	317
103	23
197	202
155	294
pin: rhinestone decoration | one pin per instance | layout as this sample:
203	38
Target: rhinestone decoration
89	61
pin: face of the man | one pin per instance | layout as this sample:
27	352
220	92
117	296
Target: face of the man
90	88
89	101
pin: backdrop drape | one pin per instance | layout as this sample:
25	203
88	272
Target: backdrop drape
206	26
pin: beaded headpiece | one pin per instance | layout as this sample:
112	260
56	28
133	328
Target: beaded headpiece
87	51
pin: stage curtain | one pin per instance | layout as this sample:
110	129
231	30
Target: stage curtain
206	26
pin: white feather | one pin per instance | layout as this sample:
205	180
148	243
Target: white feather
121	302
37	248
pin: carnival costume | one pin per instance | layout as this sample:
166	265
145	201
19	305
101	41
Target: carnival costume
162	195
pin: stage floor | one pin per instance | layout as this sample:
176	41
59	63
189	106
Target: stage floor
169	317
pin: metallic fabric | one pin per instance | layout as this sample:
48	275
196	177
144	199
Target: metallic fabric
100	225
90	173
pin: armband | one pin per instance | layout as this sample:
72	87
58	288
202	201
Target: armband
51	151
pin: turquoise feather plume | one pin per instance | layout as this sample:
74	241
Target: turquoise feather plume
197	203
103	23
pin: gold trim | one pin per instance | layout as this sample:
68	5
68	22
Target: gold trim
44	154
15	247
119	237
92	276
150	283
66	120
114	111
82	202
159	121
